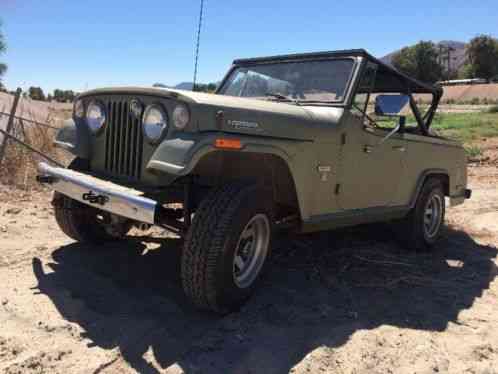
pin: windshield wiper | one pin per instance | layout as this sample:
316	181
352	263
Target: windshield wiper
279	96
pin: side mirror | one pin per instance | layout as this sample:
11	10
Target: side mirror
390	105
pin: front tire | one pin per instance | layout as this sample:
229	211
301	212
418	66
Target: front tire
86	224
227	246
421	228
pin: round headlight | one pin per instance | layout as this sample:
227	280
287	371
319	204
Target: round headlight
79	109
155	122
181	116
95	116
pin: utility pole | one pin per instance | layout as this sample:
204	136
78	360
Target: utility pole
450	49
197	45
444	58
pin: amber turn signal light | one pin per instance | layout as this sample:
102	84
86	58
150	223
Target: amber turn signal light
228	143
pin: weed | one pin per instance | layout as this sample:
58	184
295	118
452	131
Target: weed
493	109
473	151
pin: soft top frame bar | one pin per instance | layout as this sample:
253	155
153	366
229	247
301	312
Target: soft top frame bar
409	85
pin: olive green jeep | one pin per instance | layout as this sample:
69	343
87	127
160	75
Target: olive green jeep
302	142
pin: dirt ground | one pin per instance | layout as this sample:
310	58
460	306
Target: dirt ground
349	301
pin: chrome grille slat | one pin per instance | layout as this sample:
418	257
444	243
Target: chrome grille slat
123	140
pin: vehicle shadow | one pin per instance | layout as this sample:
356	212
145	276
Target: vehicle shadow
321	289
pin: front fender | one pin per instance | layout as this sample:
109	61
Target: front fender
180	155
73	138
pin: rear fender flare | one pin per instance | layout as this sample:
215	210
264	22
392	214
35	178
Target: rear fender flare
423	177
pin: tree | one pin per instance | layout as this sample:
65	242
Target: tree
419	61
482	56
36	93
3	47
69	96
58	95
159	85
201	87
63	96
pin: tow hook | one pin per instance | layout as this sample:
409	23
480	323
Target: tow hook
45	179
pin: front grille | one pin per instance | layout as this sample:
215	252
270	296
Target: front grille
123	141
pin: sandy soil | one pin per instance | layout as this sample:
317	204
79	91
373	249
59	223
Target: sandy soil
349	301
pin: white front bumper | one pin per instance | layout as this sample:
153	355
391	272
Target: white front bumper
100	194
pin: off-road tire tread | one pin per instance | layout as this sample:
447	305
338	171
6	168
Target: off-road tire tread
204	244
71	220
409	232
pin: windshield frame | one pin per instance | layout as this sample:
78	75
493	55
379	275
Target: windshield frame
347	91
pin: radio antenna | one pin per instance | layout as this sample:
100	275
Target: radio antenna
197	45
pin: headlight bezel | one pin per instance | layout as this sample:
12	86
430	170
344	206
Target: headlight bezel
175	119
102	108
165	129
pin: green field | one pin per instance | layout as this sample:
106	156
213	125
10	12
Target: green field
466	127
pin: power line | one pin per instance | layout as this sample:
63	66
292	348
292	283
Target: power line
198	44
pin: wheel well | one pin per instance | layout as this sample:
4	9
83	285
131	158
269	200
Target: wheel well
271	171
424	178
443	178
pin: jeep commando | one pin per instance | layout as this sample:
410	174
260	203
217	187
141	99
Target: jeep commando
303	142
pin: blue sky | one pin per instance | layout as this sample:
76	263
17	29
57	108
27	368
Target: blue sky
73	44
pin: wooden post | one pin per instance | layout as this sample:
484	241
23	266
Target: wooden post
10	123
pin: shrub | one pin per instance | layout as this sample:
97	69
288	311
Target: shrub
475	101
493	109
473	151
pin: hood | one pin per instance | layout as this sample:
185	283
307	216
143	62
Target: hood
243	115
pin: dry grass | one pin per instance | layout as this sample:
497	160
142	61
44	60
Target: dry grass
18	167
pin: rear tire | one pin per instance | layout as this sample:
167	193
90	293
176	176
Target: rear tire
421	228
227	246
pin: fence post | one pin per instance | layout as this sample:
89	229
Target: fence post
10	123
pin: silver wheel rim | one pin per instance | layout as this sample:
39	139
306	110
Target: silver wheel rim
433	214
251	251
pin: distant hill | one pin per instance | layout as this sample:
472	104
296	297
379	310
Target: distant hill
184	86
180	86
187	86
458	57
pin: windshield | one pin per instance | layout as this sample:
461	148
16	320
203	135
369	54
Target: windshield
302	81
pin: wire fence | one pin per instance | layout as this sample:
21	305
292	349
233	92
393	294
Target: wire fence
23	141
30	121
